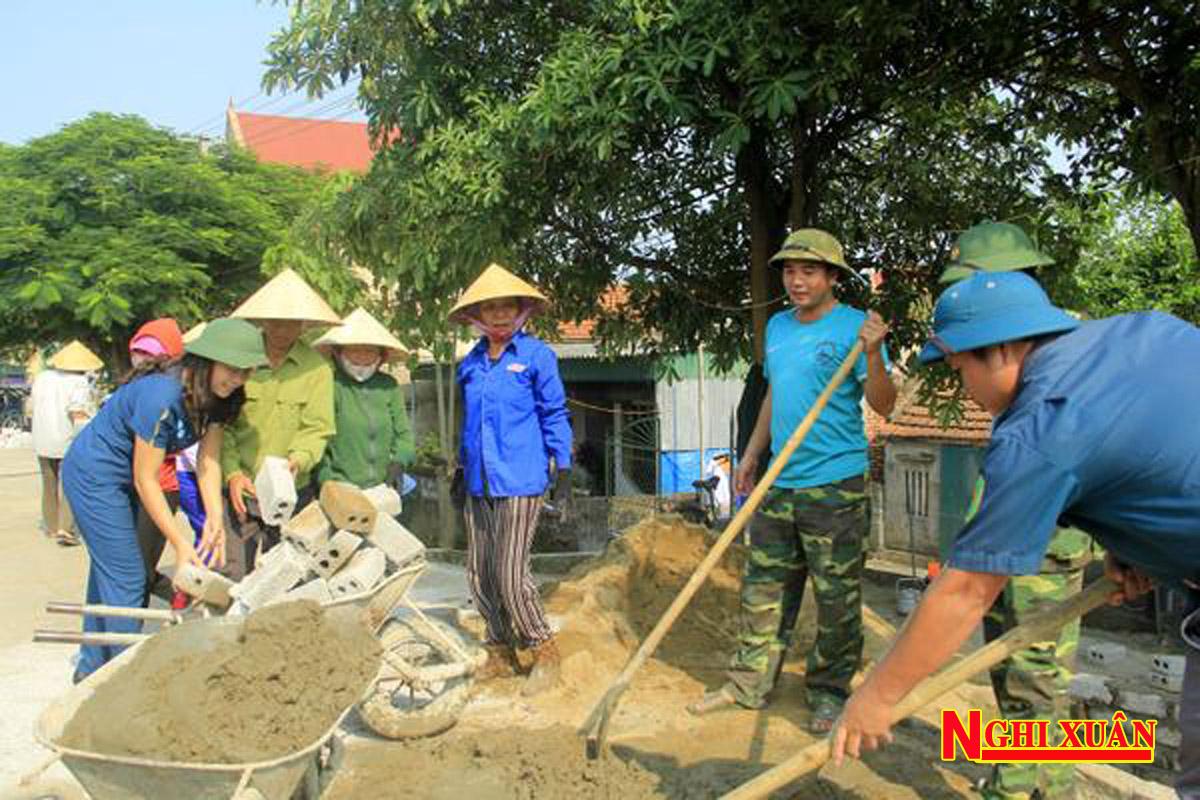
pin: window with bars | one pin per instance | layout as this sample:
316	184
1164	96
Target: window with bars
916	471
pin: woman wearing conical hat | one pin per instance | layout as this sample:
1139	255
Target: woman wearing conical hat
516	430
373	440
112	467
61	401
288	412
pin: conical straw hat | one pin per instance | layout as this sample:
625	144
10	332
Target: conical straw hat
194	332
494	283
360	328
75	357
287	296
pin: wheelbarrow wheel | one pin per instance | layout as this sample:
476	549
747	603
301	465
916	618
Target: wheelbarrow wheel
398	710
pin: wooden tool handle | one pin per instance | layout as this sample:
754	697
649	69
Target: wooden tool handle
597	724
1040	627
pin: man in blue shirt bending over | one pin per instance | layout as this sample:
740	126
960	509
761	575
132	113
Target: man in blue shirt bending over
814	519
1096	425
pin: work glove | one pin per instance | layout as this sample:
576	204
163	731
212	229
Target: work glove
561	497
458	489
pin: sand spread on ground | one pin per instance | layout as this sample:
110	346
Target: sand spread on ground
280	684
507	746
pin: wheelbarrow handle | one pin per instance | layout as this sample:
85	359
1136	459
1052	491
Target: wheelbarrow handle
97	639
149	614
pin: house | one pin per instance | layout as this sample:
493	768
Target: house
928	473
313	144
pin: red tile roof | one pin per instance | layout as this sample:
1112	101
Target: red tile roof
316	144
613	298
912	420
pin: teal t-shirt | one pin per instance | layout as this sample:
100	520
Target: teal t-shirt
801	358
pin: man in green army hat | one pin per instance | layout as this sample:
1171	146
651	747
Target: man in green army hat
814	519
1033	683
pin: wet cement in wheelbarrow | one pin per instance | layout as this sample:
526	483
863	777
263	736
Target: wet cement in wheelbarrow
292	670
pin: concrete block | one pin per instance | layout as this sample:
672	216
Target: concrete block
1091	689
361	574
395	540
204	585
385	499
1169	663
1147	704
1105	654
276	491
317	590
284	566
1164	682
348	507
310	529
336	552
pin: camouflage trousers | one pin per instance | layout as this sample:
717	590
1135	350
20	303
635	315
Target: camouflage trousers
795	534
1033	683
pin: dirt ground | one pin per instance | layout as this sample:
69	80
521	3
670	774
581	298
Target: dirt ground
509	746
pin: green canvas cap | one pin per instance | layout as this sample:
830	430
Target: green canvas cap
811	244
234	342
992	247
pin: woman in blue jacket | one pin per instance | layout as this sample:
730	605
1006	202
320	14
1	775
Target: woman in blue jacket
112	467
516	437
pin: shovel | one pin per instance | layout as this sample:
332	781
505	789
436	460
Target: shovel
596	726
1040	627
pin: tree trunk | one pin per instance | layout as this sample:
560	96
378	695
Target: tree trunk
766	233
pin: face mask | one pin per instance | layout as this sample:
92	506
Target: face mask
359	373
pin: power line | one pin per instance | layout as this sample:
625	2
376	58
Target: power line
285	131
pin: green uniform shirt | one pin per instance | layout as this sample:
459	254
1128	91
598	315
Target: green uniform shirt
288	413
372	431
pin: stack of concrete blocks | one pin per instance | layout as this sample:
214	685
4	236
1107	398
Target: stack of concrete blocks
279	569
275	488
204	585
341	546
1143	681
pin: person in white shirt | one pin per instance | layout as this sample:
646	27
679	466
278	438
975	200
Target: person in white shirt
61	401
719	467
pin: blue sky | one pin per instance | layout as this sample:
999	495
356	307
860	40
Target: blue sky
174	62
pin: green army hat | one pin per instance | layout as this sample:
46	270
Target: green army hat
234	342
811	244
992	247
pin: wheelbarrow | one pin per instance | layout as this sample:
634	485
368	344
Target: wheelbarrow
105	777
423	684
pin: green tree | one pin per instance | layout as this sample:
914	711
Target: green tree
1120	82
1135	254
111	221
665	145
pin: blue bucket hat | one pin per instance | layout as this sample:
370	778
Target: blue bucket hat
989	308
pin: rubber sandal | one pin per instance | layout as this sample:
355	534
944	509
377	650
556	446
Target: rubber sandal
716	700
825	712
67	539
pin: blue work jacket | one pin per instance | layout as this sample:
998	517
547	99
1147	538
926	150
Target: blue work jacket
515	419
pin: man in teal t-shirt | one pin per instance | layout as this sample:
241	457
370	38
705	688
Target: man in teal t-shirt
814	519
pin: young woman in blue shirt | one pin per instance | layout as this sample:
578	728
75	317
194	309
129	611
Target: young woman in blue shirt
112	467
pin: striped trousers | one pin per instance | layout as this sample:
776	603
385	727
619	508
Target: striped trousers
499	540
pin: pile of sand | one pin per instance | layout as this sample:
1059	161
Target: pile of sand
607	606
273	689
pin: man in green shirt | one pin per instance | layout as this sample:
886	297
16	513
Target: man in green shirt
288	412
